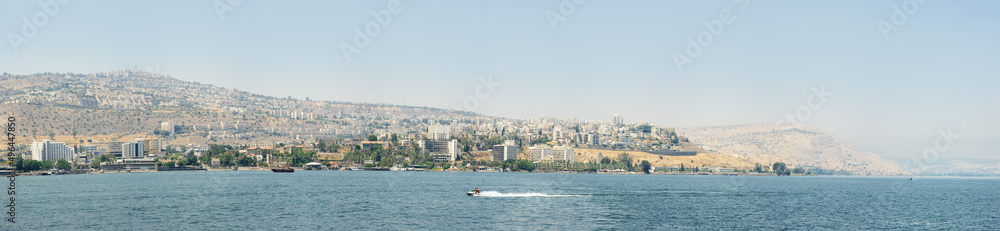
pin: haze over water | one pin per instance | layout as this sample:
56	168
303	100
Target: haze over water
436	200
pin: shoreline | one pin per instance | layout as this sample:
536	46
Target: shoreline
41	173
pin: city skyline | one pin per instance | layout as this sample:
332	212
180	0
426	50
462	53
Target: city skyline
889	93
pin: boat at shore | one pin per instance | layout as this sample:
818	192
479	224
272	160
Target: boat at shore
286	168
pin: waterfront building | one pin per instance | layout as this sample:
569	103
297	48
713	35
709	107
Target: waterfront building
562	153
539	154
132	150
115	148
444	150
129	164
150	146
665	169
89	152
722	170
51	151
259	154
502	152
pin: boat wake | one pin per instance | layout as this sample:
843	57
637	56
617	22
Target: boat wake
499	194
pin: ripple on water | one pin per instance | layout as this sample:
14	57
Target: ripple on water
336	200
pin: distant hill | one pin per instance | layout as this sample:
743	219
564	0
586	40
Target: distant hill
118	105
796	145
959	167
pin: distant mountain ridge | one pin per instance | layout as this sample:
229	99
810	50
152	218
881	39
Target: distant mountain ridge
796	145
112	105
126	102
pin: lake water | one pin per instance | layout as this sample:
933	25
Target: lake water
436	200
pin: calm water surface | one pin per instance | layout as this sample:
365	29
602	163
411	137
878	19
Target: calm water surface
436	200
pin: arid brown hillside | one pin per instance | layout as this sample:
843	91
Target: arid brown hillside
796	145
699	160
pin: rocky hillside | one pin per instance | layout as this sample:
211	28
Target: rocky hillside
117	105
796	145
700	160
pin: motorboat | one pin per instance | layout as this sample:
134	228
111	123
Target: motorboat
474	192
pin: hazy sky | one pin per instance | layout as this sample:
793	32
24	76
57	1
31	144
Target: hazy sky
935	68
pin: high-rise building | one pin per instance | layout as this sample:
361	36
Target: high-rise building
51	151
150	145
502	152
453	150
445	150
133	150
617	119
115	148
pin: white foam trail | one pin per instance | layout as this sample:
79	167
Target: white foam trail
499	194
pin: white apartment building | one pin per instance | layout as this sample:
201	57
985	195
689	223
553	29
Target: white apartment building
539	153
562	153
444	149
550	154
51	151
452	149
132	150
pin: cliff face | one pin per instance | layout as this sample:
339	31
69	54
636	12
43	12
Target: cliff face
796	145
